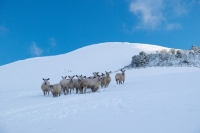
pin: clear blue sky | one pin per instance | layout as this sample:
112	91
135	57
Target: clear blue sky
31	28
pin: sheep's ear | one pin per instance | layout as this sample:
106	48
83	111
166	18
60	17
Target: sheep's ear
48	78
73	77
65	77
69	76
84	77
76	75
81	76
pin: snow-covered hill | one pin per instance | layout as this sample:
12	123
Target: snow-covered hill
152	100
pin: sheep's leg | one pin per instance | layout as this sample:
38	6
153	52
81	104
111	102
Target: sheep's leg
70	90
44	93
106	85
81	90
76	90
84	90
64	91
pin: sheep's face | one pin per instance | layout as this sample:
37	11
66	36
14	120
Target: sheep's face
95	73
103	75
51	87
99	77
79	77
123	72
71	78
108	73
46	81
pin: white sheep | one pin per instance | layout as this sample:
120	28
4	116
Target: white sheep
70	84
94	83
108	78
84	84
55	90
120	77
103	81
45	86
77	83
64	84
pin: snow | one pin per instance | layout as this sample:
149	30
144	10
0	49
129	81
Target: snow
152	100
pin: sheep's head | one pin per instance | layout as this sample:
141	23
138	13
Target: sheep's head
79	77
108	73
95	73
123	71
51	87
71	78
99	77
45	80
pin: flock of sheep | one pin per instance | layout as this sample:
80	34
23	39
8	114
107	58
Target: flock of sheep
81	83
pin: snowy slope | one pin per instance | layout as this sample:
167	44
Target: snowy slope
152	100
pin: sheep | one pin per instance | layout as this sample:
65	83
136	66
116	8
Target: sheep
67	84
103	81
70	83
45	86
84	84
94	83
55	90
64	85
77	83
108	78
120	77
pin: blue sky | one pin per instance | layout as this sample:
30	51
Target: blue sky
31	28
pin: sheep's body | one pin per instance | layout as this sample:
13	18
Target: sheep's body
55	90
108	79
45	86
120	77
